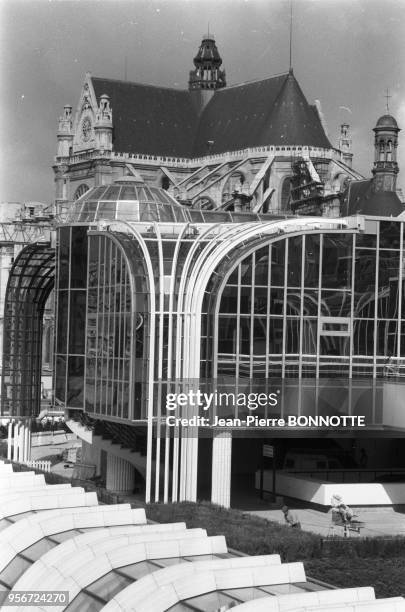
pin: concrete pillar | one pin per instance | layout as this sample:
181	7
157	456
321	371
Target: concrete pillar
120	475
27	441
221	469
15	442
10	440
21	434
188	465
91	455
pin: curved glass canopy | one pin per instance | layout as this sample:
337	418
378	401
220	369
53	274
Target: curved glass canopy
128	199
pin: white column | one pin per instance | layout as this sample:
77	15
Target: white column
27	439
91	455
120	475
10	440
21	433
188	464
221	469
16	438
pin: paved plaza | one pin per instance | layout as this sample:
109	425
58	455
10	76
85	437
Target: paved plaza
378	522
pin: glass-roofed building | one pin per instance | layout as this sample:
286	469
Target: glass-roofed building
173	314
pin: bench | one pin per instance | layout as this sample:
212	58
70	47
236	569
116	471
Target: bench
352	526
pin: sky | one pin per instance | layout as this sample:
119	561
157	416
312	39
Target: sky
346	53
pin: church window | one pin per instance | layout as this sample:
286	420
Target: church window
389	151
285	193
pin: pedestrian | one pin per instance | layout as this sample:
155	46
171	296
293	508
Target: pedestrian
291	518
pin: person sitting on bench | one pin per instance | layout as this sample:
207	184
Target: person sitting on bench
346	513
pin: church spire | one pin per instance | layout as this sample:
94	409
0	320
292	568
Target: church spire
207	73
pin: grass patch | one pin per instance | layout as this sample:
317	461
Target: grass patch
377	562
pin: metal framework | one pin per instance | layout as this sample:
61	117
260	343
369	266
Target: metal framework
30	282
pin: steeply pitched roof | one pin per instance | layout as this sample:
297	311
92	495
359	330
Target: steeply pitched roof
147	119
361	198
161	121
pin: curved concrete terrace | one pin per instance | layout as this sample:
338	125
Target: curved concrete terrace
181	565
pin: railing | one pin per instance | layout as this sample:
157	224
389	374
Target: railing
355	475
44	466
194	161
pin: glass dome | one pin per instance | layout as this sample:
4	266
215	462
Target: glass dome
127	199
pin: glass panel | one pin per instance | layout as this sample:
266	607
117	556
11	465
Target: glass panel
180	607
259	336
366	241
311	261
336	303
18	517
210	602
66	535
277	263
227	334
310	306
64	245
245	300
282	589
136	571
276	301
336	262
75	383
85	601
262	266
60	378
364	283
260	300
246	594
390	234
38	549
363	337
62	322
387	335
109	585
77	324
388	275
246	268
201	557
14	570
78	269
334	345
276	335
292	335
229	300
168	562
294	261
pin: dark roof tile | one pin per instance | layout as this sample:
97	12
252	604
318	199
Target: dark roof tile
163	121
147	119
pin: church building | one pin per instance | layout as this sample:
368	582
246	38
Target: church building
213	146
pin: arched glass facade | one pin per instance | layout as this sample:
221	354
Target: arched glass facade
117	327
313	305
30	283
